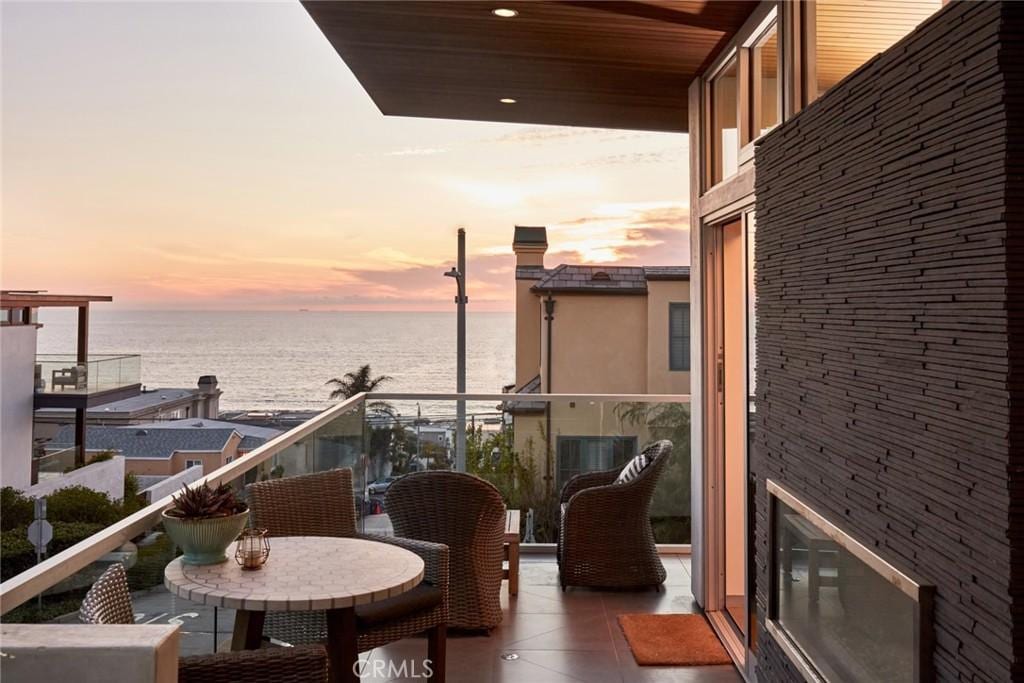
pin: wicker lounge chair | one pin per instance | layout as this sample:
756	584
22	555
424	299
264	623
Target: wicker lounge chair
605	538
467	514
110	602
322	504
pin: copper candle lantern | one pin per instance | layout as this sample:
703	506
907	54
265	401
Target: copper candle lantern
253	548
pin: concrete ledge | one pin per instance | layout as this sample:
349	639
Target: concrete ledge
165	486
143	653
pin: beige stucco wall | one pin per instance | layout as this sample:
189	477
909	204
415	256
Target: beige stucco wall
528	331
599	343
660	379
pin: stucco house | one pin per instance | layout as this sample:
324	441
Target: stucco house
168	448
592	329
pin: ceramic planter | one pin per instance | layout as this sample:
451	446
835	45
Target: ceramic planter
204	541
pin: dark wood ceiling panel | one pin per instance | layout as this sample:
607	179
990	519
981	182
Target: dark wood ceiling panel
602	64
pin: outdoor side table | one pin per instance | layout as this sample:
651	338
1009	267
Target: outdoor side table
303	573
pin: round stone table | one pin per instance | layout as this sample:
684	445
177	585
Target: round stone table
303	573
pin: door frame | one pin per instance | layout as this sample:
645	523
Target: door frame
737	641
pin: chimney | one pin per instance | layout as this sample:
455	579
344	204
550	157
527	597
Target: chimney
209	401
529	245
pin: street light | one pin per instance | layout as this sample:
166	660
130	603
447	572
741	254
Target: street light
459	274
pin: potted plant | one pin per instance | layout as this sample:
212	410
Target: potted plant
203	521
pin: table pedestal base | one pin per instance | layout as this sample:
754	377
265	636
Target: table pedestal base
342	646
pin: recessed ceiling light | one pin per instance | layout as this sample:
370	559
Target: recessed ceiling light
504	13
507	100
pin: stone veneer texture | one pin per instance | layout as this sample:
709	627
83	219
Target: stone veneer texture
889	301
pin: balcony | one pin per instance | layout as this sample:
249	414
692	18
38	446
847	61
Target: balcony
62	381
555	635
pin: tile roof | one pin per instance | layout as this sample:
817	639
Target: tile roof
605	279
247	430
667	272
135	441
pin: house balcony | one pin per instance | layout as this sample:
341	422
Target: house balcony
526	449
62	381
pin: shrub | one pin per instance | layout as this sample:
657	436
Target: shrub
15	509
82	504
17	554
132	501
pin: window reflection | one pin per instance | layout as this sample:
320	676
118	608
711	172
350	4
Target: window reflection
850	32
725	133
769	87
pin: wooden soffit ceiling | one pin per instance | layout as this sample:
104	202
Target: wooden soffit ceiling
603	64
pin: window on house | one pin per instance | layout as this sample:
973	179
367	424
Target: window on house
193	463
579	454
679	336
725	133
847	33
767	84
229	458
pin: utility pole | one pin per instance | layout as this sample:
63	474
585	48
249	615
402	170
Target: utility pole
459	273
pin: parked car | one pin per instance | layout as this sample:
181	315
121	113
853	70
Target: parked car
380	487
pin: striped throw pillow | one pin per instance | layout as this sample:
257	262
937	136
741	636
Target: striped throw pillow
632	469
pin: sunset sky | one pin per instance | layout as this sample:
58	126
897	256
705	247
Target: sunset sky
222	156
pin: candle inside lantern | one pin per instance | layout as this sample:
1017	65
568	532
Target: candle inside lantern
253	549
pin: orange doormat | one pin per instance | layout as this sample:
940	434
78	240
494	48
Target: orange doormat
672	640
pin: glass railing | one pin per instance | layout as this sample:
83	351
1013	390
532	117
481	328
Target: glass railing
89	534
63	373
529	447
378	436
55	463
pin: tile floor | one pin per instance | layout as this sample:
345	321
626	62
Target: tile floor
555	637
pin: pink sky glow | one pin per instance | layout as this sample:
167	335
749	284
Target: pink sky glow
222	156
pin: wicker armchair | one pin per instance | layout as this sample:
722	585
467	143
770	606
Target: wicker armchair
605	538
322	504
467	514
109	601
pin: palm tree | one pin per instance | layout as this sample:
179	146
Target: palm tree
362	381
357	382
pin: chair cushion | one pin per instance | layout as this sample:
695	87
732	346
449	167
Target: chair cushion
632	469
423	596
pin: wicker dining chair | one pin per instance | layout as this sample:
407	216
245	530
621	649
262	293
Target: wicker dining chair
322	504
605	539
109	601
467	514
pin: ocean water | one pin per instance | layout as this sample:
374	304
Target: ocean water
281	359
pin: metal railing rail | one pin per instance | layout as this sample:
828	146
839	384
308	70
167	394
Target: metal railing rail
31	582
428	396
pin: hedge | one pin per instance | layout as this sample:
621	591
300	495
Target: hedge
17	554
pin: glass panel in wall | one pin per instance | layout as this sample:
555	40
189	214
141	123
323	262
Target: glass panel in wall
850	32
848	620
767	84
725	134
